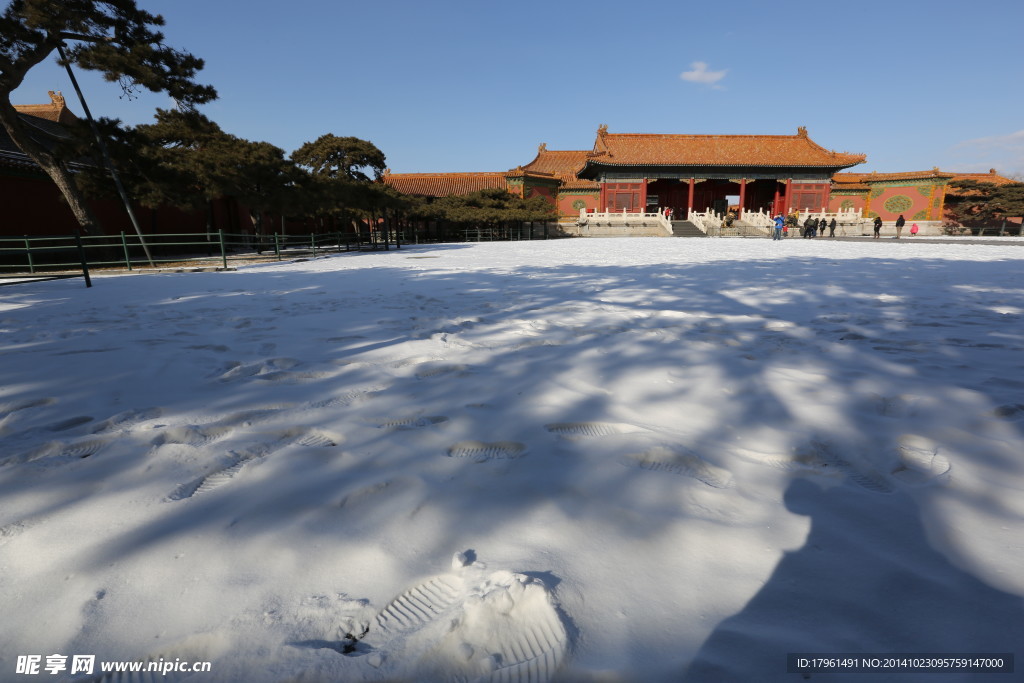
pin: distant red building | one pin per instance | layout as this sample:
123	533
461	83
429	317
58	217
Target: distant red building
916	195
32	204
632	172
640	172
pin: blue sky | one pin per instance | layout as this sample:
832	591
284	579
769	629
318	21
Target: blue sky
455	85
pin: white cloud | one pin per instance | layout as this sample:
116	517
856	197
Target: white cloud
1013	140
699	73
1005	153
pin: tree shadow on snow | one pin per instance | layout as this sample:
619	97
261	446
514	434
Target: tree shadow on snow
550	413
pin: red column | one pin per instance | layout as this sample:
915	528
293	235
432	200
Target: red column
743	197
689	198
776	209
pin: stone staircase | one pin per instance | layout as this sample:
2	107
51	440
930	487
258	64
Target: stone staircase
686	229
741	228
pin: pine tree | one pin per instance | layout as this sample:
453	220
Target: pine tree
345	158
974	203
113	37
338	184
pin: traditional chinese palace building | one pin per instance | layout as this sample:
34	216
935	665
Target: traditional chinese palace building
917	195
622	172
643	172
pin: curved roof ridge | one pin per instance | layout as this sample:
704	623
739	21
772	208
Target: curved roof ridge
702	135
445	184
868	175
688	149
982	177
389	174
558	162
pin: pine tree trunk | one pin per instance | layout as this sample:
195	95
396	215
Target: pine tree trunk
52	166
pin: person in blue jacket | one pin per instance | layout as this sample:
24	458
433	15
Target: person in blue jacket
777	230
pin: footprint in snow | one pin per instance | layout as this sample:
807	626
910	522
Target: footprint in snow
346	399
128	418
310	437
904	405
298	436
682	462
823	456
408	422
575	430
9	531
70	423
921	461
438	370
413	360
465	625
8	409
55	452
212	481
481	451
10	412
192	435
237	370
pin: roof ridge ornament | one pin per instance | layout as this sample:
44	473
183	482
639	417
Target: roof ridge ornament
602	130
543	147
801	131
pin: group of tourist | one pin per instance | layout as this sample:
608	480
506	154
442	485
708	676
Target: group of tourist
900	222
814	227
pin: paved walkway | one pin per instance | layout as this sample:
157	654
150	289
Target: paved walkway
998	241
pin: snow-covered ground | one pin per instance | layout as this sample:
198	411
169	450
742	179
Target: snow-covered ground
575	460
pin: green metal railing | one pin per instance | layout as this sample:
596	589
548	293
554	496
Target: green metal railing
71	249
50	256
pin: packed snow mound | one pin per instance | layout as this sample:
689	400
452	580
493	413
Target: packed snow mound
467	625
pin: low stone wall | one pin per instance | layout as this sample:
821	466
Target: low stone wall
605	230
926	229
602	229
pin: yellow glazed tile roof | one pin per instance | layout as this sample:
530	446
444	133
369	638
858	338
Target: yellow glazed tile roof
644	149
444	184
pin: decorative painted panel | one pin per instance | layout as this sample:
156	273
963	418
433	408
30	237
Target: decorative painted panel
570	202
847	202
899	203
895	200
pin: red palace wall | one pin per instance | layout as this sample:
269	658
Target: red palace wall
568	206
913	201
846	202
40	210
542	192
